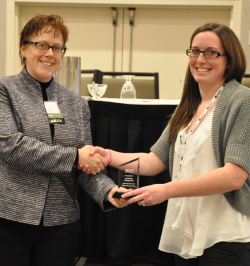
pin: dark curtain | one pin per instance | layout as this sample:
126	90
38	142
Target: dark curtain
123	235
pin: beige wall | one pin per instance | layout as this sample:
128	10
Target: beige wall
160	38
245	31
2	37
160	35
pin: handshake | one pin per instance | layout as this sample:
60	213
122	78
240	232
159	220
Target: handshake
93	160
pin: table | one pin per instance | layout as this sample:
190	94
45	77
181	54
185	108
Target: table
131	233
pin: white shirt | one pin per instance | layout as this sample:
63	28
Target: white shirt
195	223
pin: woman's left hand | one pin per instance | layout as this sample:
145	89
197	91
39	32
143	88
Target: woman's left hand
147	196
119	203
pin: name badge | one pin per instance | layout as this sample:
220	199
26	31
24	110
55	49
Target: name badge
54	114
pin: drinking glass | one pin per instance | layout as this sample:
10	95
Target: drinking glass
97	90
128	88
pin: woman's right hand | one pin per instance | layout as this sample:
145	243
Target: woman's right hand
91	162
103	152
95	150
148	195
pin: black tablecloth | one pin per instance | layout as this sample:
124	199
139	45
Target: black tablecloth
131	233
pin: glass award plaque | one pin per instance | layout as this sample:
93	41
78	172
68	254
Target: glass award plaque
129	177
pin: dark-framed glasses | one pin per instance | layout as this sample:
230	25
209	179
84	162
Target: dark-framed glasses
43	47
210	54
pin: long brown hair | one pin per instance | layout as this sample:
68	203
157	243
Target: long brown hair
191	97
40	24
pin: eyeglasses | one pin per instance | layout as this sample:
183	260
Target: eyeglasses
210	54
43	47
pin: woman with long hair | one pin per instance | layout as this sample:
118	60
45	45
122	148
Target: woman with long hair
206	148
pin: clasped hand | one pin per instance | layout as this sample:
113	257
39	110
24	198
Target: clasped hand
94	162
95	153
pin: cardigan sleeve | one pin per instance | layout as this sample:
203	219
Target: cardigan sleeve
161	148
233	120
236	139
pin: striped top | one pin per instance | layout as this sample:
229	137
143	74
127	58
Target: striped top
230	138
37	177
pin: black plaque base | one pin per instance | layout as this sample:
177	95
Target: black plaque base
118	195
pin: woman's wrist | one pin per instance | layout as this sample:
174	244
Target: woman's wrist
110	156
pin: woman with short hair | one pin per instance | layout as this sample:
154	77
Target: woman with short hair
45	132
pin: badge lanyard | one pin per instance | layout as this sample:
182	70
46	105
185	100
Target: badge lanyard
215	97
